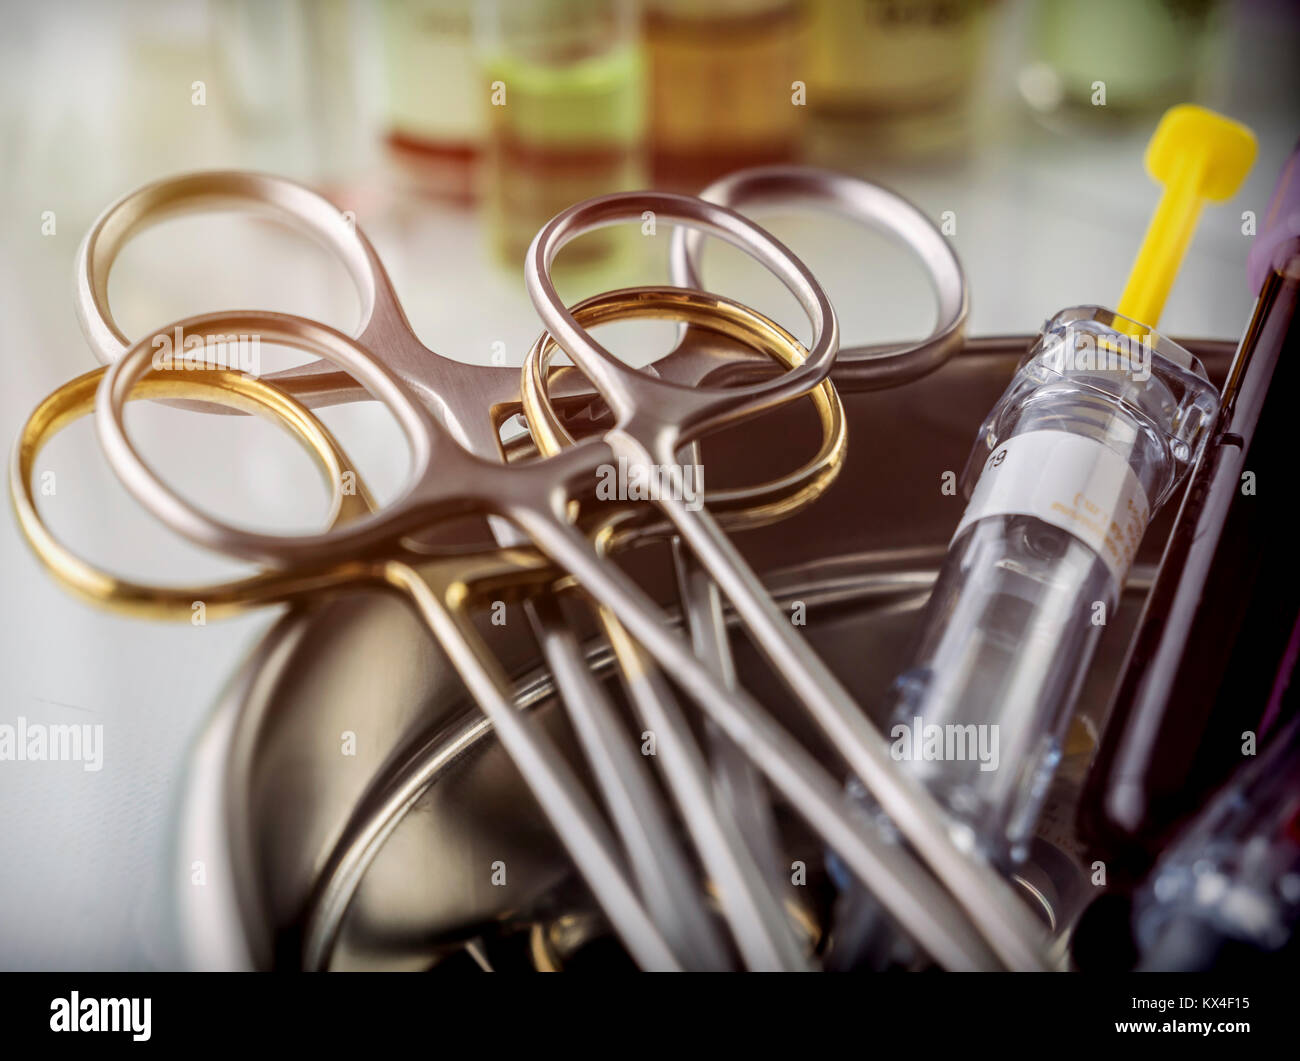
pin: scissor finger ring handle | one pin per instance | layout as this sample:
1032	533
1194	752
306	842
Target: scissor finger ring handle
677	410
423	434
856	368
76	399
257	193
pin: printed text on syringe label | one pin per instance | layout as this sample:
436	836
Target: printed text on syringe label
1071	482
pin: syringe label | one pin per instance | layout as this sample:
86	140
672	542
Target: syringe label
1072	482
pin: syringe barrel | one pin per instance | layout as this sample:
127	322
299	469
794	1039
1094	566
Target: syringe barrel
1096	429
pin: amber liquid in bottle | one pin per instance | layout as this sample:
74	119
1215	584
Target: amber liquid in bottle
722	86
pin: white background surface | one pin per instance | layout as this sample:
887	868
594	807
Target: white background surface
97	100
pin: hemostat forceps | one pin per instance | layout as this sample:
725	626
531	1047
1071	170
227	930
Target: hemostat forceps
862	368
758	923
385	331
470	400
653	420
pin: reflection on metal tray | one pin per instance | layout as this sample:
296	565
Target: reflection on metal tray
347	801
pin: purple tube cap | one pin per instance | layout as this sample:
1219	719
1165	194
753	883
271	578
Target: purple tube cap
1281	226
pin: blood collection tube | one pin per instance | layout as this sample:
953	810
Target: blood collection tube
1227	892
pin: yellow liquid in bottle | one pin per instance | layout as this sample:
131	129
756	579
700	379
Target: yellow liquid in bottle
558	134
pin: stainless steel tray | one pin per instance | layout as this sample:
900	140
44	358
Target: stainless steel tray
313	857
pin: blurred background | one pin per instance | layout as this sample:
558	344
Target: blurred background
453	130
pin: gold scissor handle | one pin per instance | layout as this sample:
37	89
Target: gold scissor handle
234	390
736	507
461	578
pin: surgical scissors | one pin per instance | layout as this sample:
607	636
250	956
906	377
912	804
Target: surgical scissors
468	400
440	591
467	655
449	573
474	419
860	368
251	395
758	929
653	420
385	328
466	488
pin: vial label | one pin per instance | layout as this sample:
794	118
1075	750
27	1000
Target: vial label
1071	482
